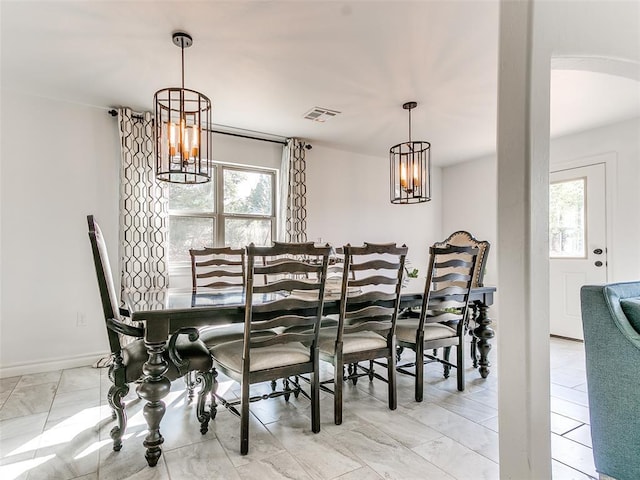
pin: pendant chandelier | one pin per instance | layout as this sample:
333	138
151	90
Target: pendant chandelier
182	130
410	168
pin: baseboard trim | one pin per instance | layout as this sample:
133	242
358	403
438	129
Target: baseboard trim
577	340
50	365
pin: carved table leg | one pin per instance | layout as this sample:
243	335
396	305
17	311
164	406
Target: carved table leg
153	389
483	333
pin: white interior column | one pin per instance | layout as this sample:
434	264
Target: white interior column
523	337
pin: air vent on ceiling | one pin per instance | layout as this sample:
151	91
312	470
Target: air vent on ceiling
319	114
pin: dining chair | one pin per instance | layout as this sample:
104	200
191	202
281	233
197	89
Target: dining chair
218	268
443	316
219	271
462	238
184	351
369	301
284	292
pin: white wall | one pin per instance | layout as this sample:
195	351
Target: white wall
55	172
59	163
469	203
245	151
348	202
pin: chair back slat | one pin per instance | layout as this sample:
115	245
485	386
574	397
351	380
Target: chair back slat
286	285
374	265
372	280
369	297
291	303
220	273
287	337
451	278
376	270
292	277
369	312
219	268
299	266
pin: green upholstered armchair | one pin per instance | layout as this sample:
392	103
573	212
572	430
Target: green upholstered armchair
611	321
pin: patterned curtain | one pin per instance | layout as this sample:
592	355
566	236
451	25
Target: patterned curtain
144	209
292	225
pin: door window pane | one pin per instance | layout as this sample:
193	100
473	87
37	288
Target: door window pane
566	219
193	197
247	192
186	233
239	232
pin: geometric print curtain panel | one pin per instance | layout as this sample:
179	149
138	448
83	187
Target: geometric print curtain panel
296	187
144	209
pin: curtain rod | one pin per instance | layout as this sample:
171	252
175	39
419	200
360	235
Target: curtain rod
138	116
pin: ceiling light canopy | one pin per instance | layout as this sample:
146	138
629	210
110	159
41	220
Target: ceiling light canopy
182	130
410	168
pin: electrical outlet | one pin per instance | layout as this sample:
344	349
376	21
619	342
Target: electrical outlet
81	320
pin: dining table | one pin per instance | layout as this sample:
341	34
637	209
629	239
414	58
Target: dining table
163	312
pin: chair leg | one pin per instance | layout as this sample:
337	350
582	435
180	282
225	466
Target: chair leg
244	419
191	385
206	379
315	396
286	388
214	390
371	372
399	351
460	365
353	369
337	389
419	387
445	357
114	397
474	351
391	378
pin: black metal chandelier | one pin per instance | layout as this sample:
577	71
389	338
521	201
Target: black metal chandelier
410	168
182	130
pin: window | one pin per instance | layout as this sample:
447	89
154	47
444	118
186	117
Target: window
235	208
566	219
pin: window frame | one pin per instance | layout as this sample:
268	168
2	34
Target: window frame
218	216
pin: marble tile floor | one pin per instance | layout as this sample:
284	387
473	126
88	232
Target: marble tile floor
56	426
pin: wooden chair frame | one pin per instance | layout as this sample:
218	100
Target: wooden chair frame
452	277
371	310
119	373
220	267
281	314
462	238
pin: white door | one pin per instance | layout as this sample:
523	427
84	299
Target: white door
577	243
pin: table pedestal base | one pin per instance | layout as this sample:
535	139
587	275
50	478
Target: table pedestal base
482	334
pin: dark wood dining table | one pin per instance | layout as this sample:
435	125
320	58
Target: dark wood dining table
165	311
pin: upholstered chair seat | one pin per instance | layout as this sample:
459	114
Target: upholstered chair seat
230	355
351	342
406	330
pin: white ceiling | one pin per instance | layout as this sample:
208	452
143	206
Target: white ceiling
265	64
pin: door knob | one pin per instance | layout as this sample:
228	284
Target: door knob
598	251
598	263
